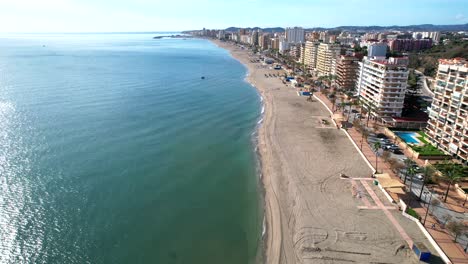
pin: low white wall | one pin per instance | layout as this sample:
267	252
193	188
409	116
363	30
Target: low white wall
425	232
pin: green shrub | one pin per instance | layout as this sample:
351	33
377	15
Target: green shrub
413	213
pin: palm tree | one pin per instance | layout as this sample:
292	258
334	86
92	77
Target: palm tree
408	164
411	171
357	124
333	101
365	134
377	146
371	109
451	175
428	171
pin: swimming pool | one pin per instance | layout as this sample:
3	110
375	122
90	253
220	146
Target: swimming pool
408	137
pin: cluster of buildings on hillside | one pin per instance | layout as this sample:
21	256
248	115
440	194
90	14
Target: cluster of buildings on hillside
362	63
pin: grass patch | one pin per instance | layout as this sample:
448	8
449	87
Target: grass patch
422	137
428	150
413	213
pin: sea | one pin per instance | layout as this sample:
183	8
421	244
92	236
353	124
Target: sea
114	149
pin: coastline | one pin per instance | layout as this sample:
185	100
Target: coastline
311	215
270	204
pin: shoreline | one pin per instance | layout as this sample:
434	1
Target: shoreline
266	238
310	214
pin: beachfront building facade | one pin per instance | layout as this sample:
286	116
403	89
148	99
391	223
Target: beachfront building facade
283	45
310	54
346	71
448	115
381	85
295	35
302	54
326	53
274	43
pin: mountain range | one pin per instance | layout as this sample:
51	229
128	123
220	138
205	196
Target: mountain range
422	27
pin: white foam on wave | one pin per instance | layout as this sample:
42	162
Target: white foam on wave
263	227
260	121
263	110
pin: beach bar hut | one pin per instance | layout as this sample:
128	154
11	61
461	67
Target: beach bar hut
421	252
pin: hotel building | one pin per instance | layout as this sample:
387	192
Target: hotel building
346	71
326	53
381	85
448	115
310	54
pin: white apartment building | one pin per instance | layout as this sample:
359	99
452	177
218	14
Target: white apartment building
434	35
326	53
381	85
283	45
295	35
448	115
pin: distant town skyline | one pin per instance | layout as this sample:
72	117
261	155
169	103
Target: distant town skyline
146	15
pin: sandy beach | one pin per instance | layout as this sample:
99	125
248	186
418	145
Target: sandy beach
312	215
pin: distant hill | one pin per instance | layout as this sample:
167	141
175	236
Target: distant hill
422	27
269	30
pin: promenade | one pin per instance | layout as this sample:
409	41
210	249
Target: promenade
453	250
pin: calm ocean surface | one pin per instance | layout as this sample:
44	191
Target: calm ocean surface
113	150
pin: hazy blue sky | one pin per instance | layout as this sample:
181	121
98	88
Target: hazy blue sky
167	15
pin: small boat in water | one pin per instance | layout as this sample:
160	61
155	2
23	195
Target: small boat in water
203	77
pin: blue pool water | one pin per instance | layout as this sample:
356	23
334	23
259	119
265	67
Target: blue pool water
408	137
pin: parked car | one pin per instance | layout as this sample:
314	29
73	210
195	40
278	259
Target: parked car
396	151
380	135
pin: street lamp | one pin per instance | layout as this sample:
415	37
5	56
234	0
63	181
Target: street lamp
428	207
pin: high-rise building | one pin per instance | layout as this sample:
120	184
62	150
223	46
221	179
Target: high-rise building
302	55
323	36
275	43
295	51
264	41
295	35
254	39
381	85
325	55
310	54
376	49
283	45
346	71
448	115
221	34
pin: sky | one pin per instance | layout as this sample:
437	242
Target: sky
38	16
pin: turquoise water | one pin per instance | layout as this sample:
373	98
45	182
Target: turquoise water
113	150
408	137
